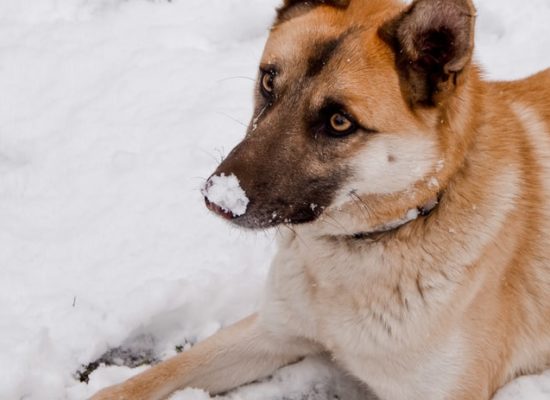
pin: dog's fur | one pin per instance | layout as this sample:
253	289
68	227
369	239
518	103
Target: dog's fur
450	304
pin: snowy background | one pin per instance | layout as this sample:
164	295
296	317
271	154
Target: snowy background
112	113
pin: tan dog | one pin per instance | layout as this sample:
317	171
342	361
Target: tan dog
413	200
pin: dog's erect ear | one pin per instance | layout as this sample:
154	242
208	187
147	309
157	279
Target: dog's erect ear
433	41
291	8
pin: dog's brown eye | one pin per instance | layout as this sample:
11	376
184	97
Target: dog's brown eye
268	83
340	123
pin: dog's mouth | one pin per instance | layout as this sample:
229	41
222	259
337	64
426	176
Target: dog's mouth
265	217
222	212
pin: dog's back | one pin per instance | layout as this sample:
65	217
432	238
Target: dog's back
533	91
519	114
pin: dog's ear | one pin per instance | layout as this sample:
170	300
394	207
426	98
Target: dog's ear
433	41
291	8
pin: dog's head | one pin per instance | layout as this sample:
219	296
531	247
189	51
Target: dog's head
360	109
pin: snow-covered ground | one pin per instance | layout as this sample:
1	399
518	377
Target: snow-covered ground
112	113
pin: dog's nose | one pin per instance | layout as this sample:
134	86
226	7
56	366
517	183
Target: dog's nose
224	196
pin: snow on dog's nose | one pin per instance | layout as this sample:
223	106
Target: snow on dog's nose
224	196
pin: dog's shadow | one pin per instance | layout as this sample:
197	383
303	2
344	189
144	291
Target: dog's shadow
314	378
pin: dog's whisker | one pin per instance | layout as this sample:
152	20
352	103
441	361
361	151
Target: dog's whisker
230	78
216	159
362	206
336	224
257	118
277	233
296	234
233	119
221	154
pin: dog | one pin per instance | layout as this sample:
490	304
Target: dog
412	199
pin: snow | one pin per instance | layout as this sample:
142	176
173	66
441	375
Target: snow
527	388
191	394
225	192
411	215
112	114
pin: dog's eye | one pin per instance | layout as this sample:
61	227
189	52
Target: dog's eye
268	83
341	125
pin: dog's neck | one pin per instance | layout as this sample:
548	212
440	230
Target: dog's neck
369	217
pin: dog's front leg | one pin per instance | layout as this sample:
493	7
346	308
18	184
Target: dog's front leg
236	355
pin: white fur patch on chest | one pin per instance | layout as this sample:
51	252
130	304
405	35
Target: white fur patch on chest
429	373
317	303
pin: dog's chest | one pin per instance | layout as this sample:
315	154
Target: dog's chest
327	296
327	293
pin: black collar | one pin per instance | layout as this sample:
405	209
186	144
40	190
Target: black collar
423	211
